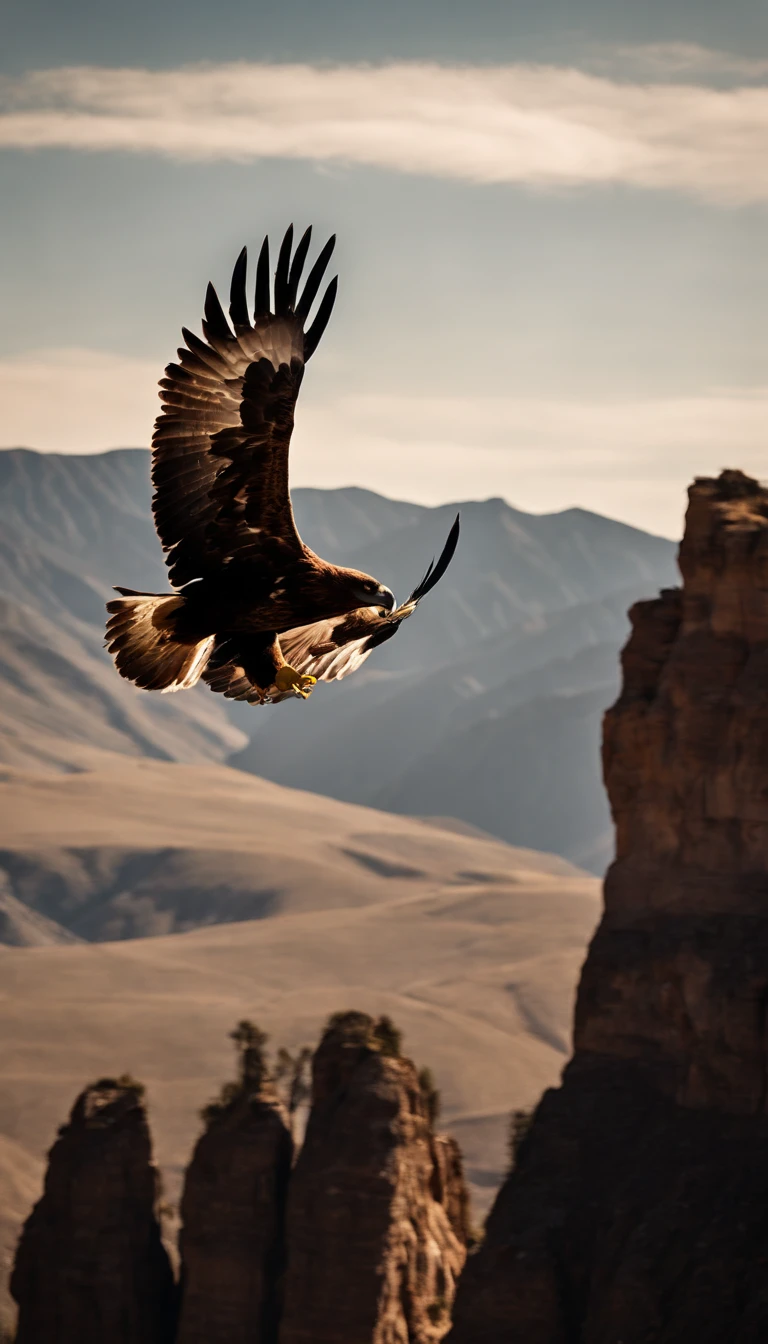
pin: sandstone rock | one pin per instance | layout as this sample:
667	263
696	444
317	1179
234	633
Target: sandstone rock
90	1265
448	1186
377	1215
233	1212
636	1209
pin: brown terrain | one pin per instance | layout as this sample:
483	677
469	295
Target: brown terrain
377	1220
294	906
150	897
90	1264
363	1239
21	1180
636	1211
232	1240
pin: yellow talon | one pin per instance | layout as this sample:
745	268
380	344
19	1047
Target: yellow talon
288	679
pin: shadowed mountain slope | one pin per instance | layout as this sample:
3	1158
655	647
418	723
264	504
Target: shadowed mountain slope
69	527
526	597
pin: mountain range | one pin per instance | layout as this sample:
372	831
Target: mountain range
486	707
151	895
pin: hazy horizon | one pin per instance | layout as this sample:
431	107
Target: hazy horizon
453	501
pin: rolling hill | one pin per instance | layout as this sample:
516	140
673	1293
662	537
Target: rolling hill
279	906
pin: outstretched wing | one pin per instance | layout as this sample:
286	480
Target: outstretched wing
330	650
220	446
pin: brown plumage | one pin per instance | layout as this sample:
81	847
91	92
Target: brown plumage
256	613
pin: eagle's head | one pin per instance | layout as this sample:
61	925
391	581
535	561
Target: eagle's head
363	591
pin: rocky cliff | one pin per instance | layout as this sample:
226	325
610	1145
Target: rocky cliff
90	1266
376	1224
361	1242
636	1211
232	1211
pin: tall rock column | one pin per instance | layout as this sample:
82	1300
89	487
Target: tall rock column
90	1265
376	1225
636	1211
232	1212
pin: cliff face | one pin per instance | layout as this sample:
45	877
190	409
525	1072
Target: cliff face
376	1226
90	1266
636	1210
232	1212
360	1243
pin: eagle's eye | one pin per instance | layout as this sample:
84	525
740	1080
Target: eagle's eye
364	590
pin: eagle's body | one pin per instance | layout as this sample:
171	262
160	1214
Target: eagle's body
255	613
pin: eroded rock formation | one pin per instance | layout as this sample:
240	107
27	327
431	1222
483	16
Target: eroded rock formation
233	1210
636	1211
360	1243
90	1266
377	1216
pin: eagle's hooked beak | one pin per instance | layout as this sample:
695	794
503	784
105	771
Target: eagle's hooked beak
385	598
368	596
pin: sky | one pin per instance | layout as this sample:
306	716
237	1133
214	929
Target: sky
551	227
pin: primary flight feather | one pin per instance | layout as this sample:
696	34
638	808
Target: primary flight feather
256	614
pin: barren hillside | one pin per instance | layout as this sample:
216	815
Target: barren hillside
471	946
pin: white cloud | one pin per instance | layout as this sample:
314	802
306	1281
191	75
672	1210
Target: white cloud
543	126
631	458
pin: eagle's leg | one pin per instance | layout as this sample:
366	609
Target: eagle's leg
251	666
267	670
288	679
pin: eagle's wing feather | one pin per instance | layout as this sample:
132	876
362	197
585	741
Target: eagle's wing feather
330	650
220	446
231	670
226	671
243	666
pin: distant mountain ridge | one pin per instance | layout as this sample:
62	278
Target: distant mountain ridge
532	612
486	708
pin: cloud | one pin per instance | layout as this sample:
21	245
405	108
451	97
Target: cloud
629	458
541	126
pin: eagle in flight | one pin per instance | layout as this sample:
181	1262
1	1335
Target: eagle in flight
255	613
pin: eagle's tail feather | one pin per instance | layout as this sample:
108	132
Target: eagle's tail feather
143	640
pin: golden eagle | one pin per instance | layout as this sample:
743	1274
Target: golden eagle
255	613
